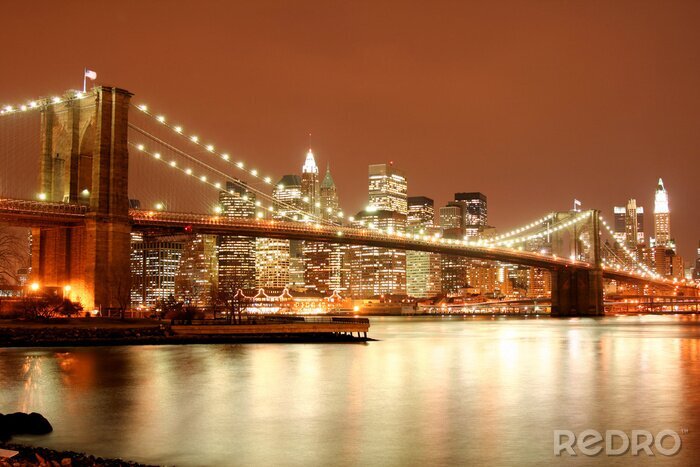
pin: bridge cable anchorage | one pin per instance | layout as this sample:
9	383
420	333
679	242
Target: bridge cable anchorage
39	103
643	268
210	148
295	212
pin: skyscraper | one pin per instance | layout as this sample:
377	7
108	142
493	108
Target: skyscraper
475	213
629	221
236	253
422	268
326	268
197	276
662	216
452	219
289	199
272	263
329	196
388	188
378	271
310	186
273	257
154	264
421	211
453	268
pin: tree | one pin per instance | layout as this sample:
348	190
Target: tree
121	292
68	308
40	306
13	255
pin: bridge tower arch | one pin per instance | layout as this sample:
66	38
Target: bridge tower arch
85	160
578	291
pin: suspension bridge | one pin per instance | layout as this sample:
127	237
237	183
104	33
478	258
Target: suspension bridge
92	145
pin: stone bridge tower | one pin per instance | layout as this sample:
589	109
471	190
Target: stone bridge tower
85	160
578	291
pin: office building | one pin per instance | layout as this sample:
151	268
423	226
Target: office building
154	265
378	271
388	188
236	253
197	277
662	217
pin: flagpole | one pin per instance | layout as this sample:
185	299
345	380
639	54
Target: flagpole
84	79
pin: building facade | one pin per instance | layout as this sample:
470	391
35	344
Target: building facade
197	277
378	271
388	188
662	217
423	269
154	265
236	253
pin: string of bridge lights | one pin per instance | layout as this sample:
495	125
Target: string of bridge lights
292	213
497	239
224	156
548	231
194	139
39	103
641	266
337	214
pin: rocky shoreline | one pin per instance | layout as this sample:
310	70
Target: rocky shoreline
30	456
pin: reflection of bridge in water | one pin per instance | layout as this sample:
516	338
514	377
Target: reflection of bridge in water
82	223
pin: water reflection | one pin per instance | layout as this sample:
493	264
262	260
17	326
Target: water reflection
432	391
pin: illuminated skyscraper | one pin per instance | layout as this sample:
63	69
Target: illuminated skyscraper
236	253
154	264
310	186
422	268
273	257
377	271
326	267
475	213
452	219
329	196
272	263
421	211
388	188
289	198
629	224
453	268
662	216
197	276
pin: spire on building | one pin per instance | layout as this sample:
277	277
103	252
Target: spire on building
661	199
328	180
310	166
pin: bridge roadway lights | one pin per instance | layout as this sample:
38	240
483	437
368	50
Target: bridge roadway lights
577	292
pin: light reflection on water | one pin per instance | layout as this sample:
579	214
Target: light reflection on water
432	391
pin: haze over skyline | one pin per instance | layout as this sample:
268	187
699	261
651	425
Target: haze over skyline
533	104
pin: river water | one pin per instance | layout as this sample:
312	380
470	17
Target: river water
430	391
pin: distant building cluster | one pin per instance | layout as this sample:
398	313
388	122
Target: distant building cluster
657	252
199	269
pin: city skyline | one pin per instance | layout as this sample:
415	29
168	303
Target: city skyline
592	109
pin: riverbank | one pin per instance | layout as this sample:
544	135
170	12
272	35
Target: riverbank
31	456
88	332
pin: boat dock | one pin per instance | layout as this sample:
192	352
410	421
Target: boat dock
275	327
